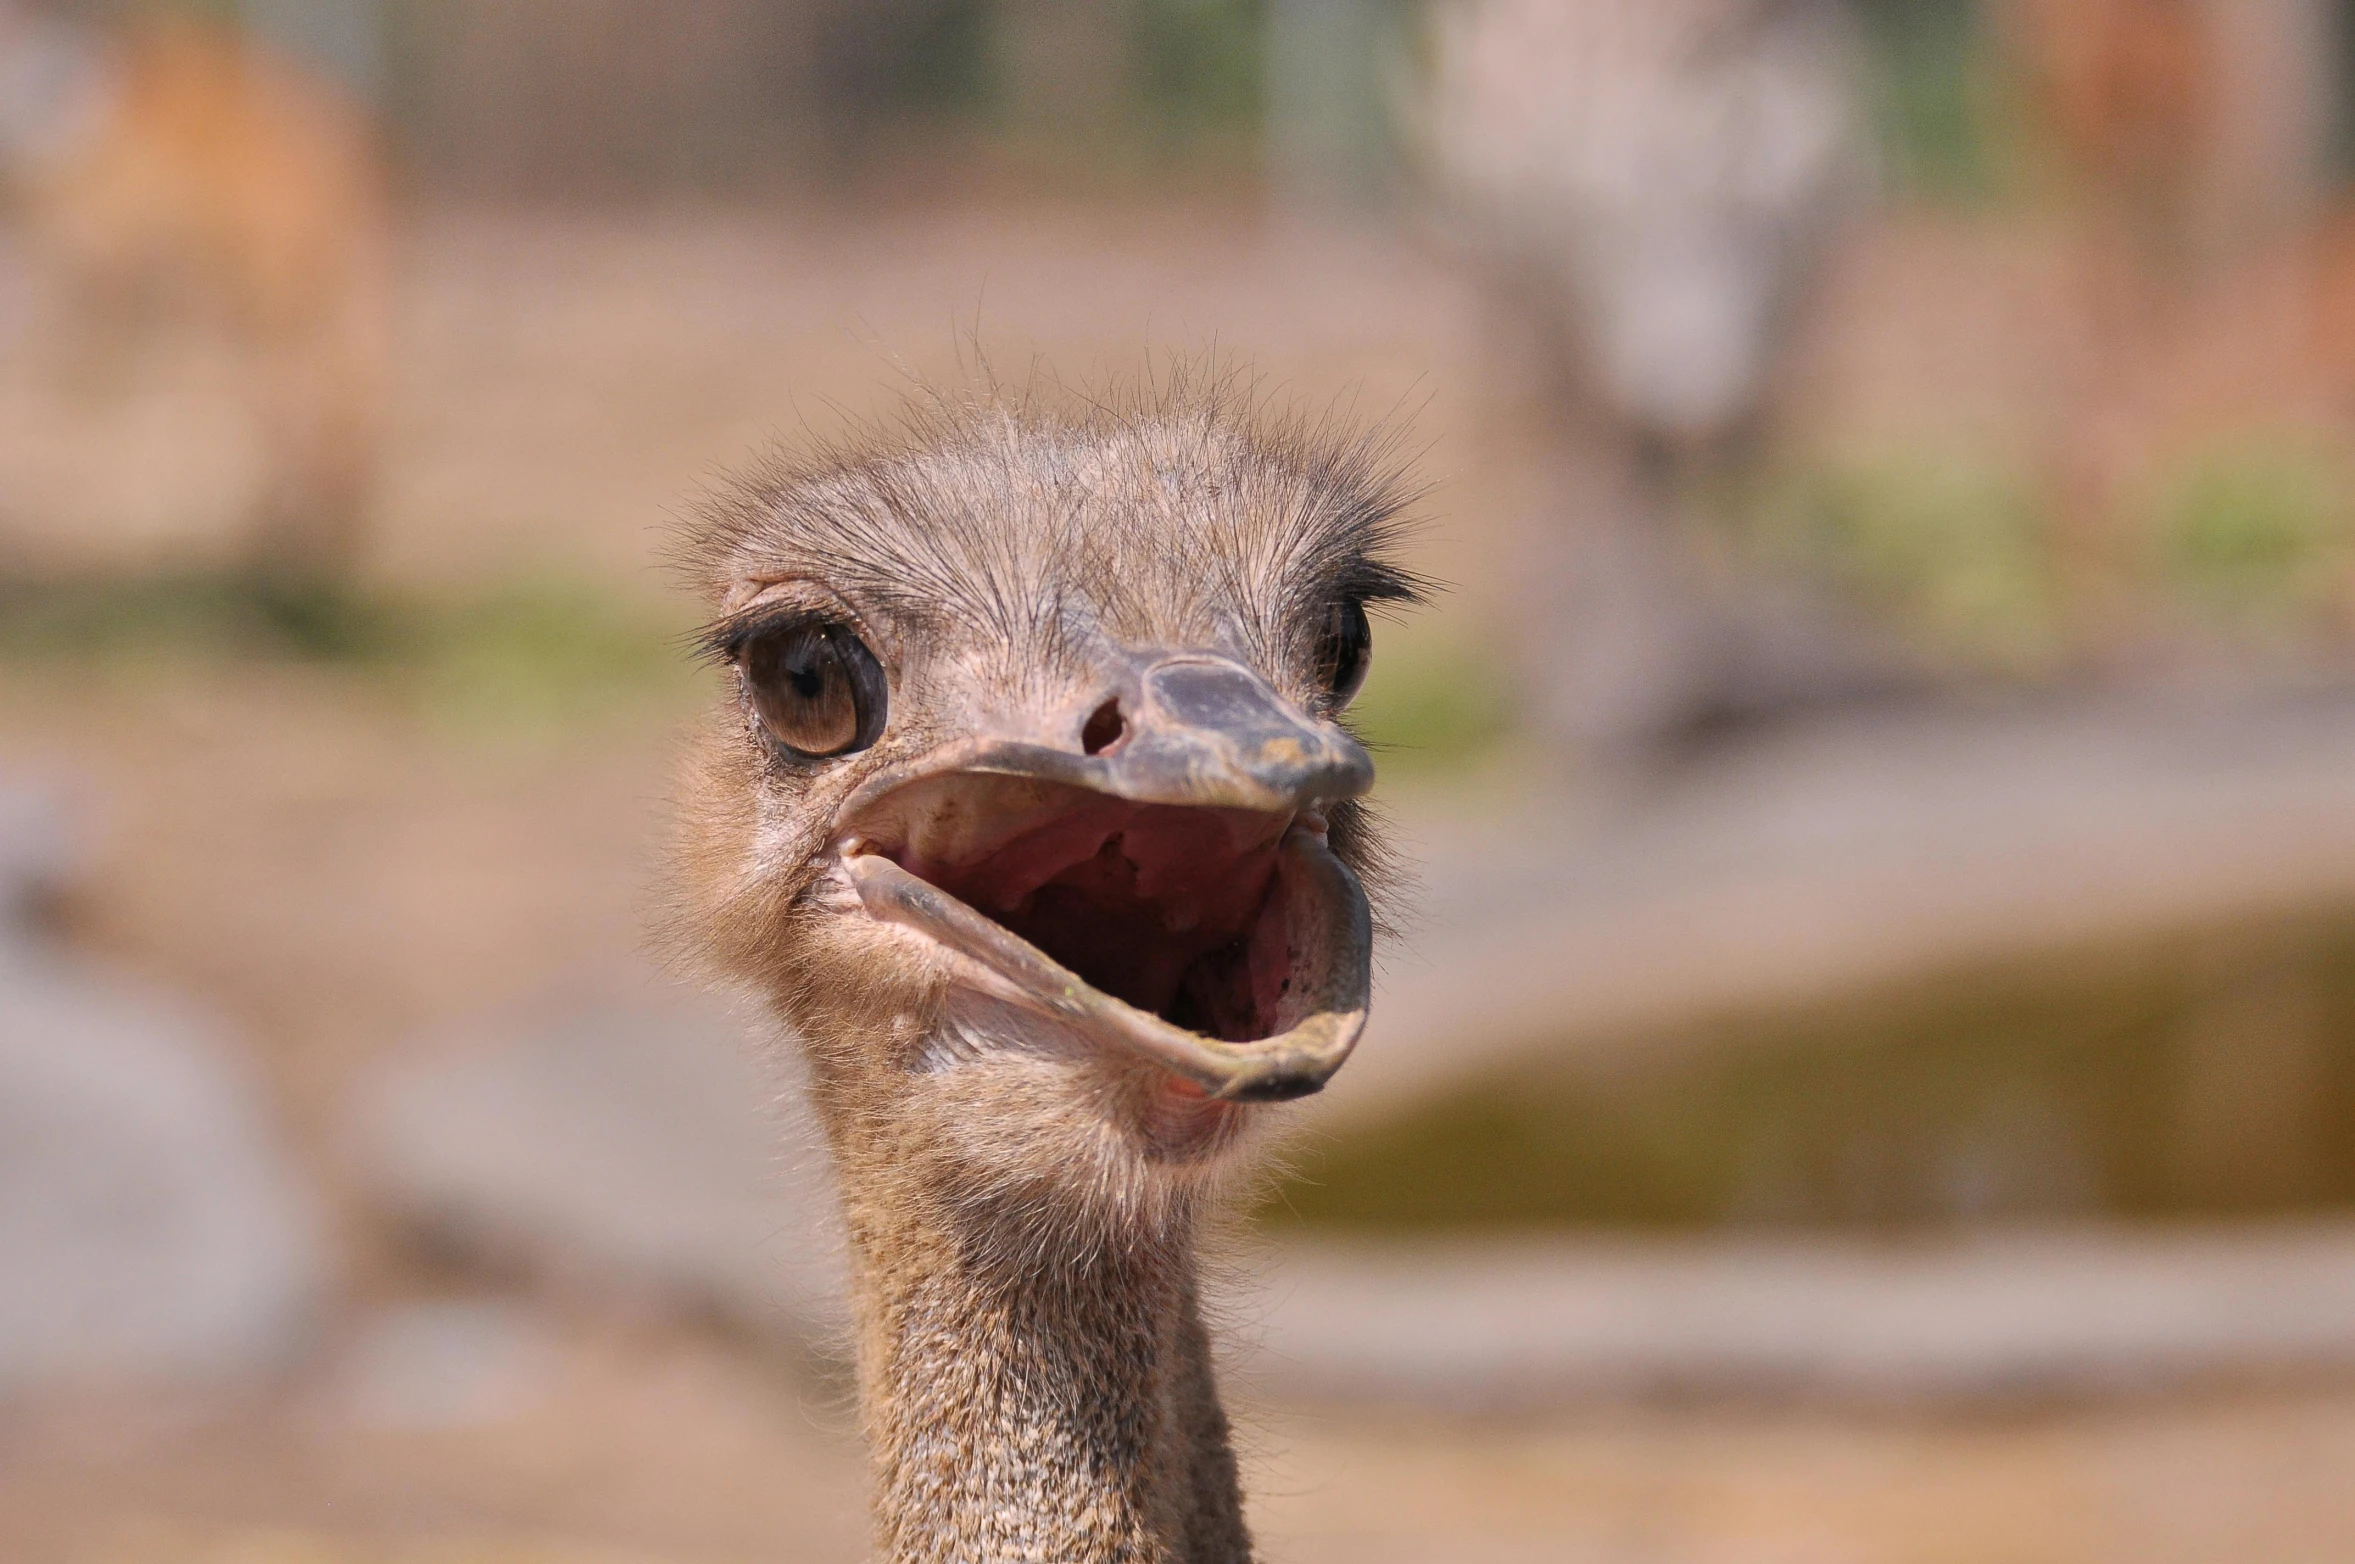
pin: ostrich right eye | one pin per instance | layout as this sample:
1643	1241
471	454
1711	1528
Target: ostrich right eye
816	688
1344	651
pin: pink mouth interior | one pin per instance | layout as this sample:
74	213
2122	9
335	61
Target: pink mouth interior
1182	912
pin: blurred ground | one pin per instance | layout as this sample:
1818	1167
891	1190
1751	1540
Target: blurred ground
346	856
632	1445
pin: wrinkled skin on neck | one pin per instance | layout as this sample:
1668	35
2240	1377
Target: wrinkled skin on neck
1034	1371
1054	1403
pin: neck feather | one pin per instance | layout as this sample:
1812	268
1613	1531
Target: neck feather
1047	1398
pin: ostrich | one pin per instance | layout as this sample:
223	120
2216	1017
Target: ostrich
1644	187
1033	817
166	170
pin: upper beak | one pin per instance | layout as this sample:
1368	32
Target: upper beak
1208	733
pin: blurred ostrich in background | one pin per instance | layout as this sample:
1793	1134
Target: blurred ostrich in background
2189	143
170	172
2196	130
1644	188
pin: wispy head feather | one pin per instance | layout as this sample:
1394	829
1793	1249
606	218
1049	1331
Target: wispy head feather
1179	497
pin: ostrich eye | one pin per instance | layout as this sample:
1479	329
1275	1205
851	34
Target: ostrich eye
1345	649
816	688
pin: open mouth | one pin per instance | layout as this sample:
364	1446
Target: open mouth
1230	945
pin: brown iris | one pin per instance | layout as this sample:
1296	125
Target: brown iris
815	687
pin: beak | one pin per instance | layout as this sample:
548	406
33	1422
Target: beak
1203	733
1206	733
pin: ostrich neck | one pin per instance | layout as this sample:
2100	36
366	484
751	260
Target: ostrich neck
1047	1398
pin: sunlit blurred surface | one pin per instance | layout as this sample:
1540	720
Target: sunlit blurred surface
1870	1069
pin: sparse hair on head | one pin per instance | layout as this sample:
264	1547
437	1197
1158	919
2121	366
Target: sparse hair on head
921	494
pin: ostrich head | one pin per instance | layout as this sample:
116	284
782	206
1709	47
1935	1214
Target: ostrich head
1032	810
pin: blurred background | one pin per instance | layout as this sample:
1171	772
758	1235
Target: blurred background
1870	1069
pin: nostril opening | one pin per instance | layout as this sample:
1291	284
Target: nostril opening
1104	728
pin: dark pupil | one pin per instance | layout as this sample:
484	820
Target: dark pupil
1346	638
803	686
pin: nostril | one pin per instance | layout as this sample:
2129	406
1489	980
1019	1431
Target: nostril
1105	726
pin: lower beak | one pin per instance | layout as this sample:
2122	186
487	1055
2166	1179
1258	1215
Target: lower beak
1321	1022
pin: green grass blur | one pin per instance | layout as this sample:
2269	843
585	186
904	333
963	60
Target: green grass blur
547	653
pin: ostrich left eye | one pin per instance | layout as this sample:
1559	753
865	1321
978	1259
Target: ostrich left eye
816	688
1345	649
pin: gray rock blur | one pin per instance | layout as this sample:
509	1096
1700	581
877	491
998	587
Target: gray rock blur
637	1144
148	1224
1501	1326
443	1363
